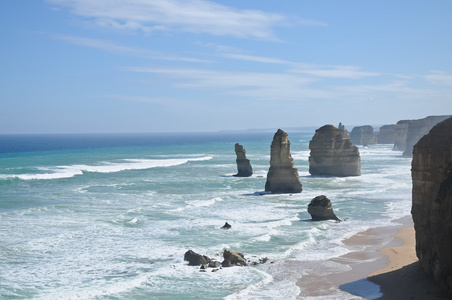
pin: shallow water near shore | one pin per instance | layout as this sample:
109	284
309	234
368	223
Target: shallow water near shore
111	216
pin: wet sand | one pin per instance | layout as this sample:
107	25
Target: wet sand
382	265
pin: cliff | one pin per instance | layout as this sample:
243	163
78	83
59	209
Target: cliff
363	135
282	177
417	129
244	168
333	154
400	133
431	172
386	134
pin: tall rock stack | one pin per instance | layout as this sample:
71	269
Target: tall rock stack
431	172
363	135
386	134
243	164
333	154
419	128
343	131
282	177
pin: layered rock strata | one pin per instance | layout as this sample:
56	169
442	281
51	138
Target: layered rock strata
244	168
419	128
282	177
333	154
431	172
363	135
386	134
321	209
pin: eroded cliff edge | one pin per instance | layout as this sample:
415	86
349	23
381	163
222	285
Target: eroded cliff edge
431	172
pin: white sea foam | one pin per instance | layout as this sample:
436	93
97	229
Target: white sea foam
59	172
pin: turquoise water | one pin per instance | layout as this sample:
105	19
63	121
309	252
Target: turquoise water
111	216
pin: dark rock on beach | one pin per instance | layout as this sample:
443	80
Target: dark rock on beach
321	209
244	168
282	177
332	154
431	172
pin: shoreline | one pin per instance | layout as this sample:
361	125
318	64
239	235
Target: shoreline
382	264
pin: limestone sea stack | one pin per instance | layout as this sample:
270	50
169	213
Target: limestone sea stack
321	209
386	134
333	154
400	132
282	177
431	172
417	129
243	164
363	135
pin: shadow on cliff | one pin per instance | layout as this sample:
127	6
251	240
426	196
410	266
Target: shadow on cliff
409	282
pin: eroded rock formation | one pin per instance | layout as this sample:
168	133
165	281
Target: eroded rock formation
333	154
386	134
282	177
343	131
363	135
400	132
321	209
419	128
431	172
243	164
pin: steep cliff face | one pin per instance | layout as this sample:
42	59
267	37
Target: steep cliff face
386	134
333	154
363	135
400	133
417	129
244	168
431	172
282	177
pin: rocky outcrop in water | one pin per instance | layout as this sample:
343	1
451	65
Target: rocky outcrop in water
419	128
282	177
195	259
321	209
363	135
333	154
431	172
343	131
243	164
386	134
232	258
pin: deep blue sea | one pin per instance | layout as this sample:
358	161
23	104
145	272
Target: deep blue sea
110	216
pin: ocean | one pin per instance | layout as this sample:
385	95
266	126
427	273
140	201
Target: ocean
110	216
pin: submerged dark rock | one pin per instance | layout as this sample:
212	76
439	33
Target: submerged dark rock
321	209
195	259
226	226
282	177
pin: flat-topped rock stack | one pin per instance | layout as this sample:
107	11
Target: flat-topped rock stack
386	134
431	172
244	168
282	177
333	154
363	135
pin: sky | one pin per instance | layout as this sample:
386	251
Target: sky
98	66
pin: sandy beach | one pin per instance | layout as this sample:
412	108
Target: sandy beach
383	265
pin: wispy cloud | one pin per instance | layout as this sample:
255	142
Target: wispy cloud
439	78
196	16
116	48
298	86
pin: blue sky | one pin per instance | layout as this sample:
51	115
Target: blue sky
74	66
